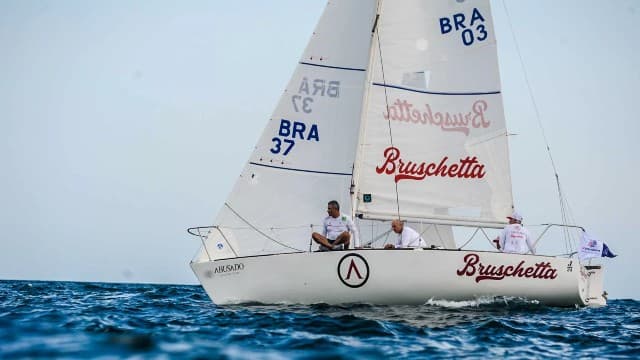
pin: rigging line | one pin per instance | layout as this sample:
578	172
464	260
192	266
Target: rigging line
380	236
535	107
470	238
271	228
226	240
258	230
427	228
440	237
386	100
569	219
204	245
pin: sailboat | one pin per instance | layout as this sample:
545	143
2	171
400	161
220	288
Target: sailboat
395	111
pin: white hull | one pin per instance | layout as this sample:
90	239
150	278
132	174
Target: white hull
414	277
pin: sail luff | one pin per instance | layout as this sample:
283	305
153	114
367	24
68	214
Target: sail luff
507	173
365	101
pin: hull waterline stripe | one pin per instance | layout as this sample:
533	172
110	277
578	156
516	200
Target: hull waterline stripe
332	67
301	170
435	92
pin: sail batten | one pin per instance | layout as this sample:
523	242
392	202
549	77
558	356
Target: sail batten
436	92
300	170
331	67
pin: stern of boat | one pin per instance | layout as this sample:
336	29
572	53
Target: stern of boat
593	282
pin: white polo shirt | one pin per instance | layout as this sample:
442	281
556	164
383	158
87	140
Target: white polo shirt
333	227
409	238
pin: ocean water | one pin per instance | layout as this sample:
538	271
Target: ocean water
99	320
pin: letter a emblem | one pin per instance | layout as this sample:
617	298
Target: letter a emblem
353	266
353	270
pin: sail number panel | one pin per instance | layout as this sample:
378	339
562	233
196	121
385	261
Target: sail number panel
303	102
471	28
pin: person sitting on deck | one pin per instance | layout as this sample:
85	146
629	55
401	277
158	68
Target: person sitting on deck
407	237
336	230
514	237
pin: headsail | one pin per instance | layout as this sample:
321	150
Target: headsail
305	155
434	142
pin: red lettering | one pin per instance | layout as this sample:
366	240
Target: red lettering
410	170
473	266
508	271
479	107
402	110
470	266
353	267
391	154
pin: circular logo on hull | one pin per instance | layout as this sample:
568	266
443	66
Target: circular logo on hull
353	270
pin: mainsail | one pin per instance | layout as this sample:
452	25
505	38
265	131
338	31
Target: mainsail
305	155
433	142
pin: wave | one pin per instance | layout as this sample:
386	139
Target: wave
79	320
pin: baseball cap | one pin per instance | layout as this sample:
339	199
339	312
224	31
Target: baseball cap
515	216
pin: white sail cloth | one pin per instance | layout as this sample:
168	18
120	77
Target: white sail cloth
434	142
409	117
305	155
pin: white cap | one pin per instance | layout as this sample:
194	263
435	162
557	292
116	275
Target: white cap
515	216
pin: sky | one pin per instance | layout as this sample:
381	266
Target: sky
124	123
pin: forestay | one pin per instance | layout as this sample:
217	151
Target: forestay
434	127
305	155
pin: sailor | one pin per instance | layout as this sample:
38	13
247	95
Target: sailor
337	229
407	237
514	237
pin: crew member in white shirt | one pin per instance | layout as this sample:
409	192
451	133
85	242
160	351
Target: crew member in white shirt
514	237
337	230
407	237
